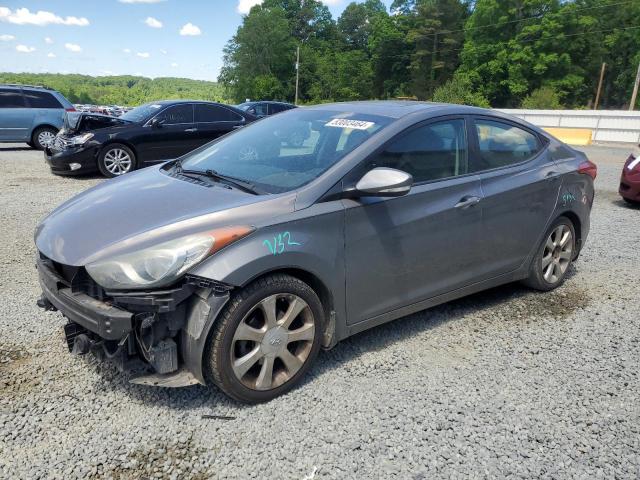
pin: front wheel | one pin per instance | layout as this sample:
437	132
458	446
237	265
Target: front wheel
115	160
265	340
554	256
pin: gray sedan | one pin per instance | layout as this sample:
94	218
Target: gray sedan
236	263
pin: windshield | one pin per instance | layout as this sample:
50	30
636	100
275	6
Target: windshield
142	113
285	151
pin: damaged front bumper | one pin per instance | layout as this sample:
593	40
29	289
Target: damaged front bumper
165	329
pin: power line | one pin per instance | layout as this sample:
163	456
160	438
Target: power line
534	17
524	41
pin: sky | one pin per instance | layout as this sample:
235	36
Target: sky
153	38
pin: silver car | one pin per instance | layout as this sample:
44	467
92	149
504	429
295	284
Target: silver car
235	264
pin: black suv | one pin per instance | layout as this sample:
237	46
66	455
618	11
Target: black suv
148	134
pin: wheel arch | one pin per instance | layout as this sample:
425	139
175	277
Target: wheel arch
196	332
308	277
577	227
111	141
42	125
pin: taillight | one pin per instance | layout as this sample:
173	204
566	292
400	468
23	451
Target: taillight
589	168
70	109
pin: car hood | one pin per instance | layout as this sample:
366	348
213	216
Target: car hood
144	208
76	123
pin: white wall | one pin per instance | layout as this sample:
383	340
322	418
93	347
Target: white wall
606	125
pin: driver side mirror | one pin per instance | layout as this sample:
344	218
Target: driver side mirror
157	123
383	182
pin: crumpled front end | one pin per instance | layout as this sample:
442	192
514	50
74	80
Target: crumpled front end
163	330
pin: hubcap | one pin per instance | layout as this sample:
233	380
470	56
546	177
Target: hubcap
557	254
117	161
46	138
272	341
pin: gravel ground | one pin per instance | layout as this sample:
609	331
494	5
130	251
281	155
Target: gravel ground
504	383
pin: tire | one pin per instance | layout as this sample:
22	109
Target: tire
553	258
269	348
42	136
116	159
633	203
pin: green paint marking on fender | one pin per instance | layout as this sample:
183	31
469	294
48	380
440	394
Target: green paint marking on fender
280	243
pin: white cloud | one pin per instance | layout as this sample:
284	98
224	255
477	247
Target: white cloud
143	54
6	38
153	22
72	47
48	40
245	5
141	1
126	50
51	55
41	18
25	49
190	29
331	2
174	65
163	51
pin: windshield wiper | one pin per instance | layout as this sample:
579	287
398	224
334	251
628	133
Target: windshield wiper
236	182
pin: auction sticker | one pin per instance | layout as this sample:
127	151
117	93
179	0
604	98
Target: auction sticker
346	123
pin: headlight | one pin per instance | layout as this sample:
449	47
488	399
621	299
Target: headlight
81	139
164	263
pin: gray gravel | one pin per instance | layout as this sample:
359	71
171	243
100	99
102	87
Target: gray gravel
504	383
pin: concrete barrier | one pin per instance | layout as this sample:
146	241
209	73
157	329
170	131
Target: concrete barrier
572	136
605	125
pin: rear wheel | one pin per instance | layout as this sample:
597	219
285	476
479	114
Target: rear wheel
116	159
554	256
43	137
265	340
633	203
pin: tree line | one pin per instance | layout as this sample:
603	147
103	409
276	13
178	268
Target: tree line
119	90
499	53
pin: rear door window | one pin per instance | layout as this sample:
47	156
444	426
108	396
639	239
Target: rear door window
177	114
214	113
41	100
10	98
503	144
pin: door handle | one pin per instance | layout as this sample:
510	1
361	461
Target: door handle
235	127
191	130
467	201
551	174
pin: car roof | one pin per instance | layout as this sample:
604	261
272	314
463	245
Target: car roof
397	108
26	87
176	102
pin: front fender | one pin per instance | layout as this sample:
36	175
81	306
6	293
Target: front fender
310	241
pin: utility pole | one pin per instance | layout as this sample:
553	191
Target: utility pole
297	72
604	65
635	90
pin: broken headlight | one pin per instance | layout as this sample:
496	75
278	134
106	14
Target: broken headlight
162	264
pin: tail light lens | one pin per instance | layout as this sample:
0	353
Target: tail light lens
70	109
589	168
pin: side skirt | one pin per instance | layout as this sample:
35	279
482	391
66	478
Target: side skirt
432	302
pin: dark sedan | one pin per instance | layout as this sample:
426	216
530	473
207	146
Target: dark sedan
148	134
265	108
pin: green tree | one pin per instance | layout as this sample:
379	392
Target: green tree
259	58
543	98
459	90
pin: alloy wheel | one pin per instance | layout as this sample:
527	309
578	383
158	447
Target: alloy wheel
558	251
46	138
117	161
272	342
